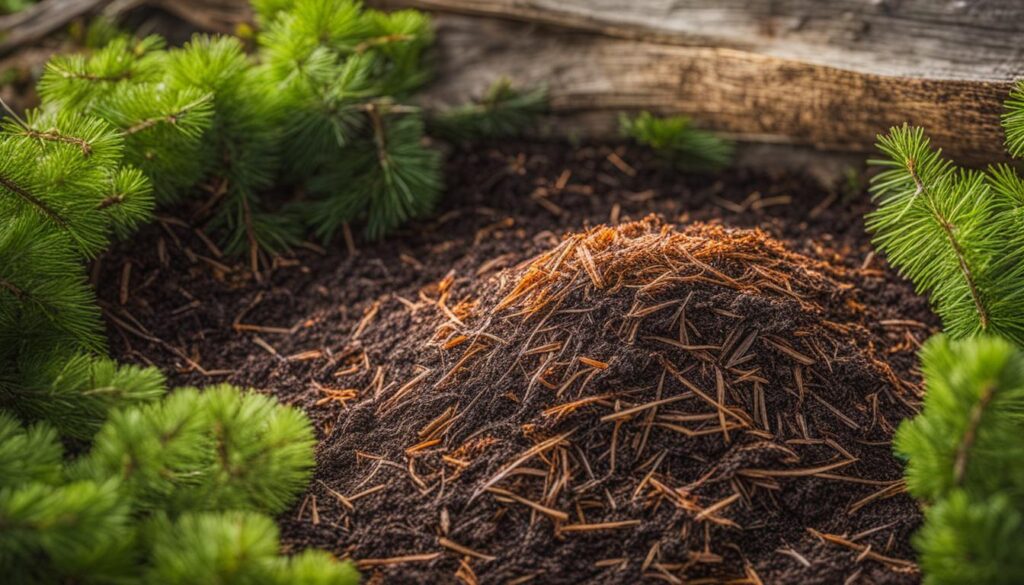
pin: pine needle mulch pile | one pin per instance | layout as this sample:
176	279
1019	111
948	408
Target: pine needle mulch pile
577	433
638	401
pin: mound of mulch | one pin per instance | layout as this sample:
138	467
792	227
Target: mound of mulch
339	331
638	401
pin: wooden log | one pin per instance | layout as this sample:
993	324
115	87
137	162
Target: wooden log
763	71
960	39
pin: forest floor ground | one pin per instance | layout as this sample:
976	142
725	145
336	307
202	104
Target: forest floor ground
326	330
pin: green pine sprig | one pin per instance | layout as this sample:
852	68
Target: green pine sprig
946	230
503	111
677	140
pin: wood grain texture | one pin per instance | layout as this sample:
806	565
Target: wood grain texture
753	96
937	39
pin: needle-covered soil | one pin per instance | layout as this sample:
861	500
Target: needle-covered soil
545	385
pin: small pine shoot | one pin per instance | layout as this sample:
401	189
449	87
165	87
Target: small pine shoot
957	235
503	111
947	229
678	141
965	541
946	450
1013	120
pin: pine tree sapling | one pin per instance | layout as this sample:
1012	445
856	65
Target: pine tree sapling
957	235
969	541
502	111
978	453
678	142
171	491
949	232
1013	120
340	69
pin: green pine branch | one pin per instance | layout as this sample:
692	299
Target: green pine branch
946	229
1013	120
974	409
503	111
678	141
966	541
957	235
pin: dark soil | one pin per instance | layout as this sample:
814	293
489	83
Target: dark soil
416	420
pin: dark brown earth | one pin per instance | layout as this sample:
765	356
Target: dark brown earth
803	490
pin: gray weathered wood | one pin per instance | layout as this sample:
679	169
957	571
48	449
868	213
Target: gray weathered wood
937	39
755	97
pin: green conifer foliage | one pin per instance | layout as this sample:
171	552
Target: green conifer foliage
74	392
502	111
965	540
65	170
983	377
123	83
1013	120
340	68
957	235
678	141
131	510
217	449
949	231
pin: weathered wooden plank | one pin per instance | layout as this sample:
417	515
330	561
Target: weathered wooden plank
938	39
753	96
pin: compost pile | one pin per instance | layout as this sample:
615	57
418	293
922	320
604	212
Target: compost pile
642	400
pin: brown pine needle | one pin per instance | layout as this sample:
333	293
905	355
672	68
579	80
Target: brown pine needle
710	511
452	545
599	526
839	540
635	409
896	488
794	472
593	363
422	446
553	513
337	495
420	558
788	350
523	458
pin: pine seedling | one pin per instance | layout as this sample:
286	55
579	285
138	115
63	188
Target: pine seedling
339	68
676	140
123	83
45	300
242	143
1013	120
947	230
966	436
966	541
386	178
216	449
957	235
503	111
